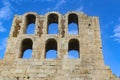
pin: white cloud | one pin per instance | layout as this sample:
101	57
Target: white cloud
73	32
3	43
18	1
5	11
59	4
117	29
71	56
47	0
119	19
116	33
2	29
79	9
5	14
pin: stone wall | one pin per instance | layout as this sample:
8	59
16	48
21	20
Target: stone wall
89	66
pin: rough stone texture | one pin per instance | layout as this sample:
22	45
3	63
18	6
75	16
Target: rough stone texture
90	65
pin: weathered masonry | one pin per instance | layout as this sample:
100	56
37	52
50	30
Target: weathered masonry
88	65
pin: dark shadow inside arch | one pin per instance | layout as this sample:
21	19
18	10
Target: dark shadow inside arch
26	48
51	49
73	49
30	23
52	24
73	24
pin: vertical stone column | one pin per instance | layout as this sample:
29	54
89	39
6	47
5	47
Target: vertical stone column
66	24
45	28
42	49
98	44
83	40
23	25
39	30
10	48
37	25
13	25
62	27
63	40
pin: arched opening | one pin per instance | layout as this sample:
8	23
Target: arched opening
51	49
30	29
73	24
52	24
73	28
27	53
73	49
30	19
53	28
26	48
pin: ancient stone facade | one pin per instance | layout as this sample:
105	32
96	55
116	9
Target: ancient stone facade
89	65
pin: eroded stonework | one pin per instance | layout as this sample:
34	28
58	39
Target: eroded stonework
90	65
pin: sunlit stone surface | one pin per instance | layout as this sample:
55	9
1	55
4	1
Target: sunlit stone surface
86	41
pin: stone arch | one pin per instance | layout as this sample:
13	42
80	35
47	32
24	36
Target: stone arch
73	46
51	44
26	44
30	18
73	25
53	23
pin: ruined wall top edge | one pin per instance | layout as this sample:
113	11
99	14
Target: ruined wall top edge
58	13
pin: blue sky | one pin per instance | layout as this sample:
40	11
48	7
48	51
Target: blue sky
108	12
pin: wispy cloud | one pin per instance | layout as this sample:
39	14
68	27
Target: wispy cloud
5	11
71	56
79	9
3	43
48	0
119	19
73	32
61	2
5	14
2	29
20	1
116	34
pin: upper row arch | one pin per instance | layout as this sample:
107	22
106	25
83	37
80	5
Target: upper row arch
49	13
